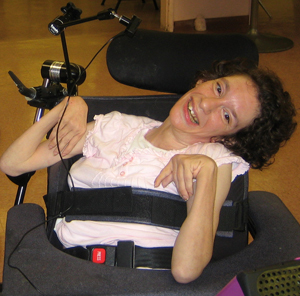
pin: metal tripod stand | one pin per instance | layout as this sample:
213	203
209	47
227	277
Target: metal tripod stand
266	42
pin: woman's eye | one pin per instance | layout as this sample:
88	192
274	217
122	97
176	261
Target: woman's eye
219	88
226	116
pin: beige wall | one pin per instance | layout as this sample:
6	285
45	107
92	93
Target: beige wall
178	10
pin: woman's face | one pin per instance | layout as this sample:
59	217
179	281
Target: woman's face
215	108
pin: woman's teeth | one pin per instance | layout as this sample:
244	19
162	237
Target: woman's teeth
192	114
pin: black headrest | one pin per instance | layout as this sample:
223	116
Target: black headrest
168	62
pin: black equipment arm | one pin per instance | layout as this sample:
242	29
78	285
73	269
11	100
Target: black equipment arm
71	17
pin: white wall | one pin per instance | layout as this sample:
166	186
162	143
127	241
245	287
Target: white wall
189	9
179	10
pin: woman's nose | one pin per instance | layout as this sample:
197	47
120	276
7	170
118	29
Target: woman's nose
208	104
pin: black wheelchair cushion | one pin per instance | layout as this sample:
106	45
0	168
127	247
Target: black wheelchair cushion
168	62
56	273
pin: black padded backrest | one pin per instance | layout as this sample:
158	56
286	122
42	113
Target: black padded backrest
168	62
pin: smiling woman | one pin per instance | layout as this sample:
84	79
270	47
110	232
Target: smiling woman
274	124
231	117
215	108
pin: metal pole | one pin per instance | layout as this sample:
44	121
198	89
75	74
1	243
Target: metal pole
265	42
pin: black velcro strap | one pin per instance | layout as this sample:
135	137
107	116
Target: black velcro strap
233	216
89	202
119	205
124	204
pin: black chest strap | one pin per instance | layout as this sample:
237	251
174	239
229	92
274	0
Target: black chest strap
126	204
121	204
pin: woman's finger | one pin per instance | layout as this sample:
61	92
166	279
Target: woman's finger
165	176
184	181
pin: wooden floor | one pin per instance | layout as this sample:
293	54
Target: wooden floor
25	44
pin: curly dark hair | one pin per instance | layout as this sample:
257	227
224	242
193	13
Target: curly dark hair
259	142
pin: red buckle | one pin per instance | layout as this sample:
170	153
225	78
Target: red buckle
99	255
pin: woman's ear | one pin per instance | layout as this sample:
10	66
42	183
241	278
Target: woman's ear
226	139
214	139
200	81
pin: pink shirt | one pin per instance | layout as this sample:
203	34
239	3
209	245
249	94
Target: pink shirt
116	153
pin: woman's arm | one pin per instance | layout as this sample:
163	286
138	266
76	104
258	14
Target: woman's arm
72	127
194	244
27	153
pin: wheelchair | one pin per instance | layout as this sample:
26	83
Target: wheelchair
154	61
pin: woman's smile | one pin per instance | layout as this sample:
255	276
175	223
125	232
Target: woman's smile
191	113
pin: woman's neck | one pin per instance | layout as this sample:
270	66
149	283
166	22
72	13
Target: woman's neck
164	137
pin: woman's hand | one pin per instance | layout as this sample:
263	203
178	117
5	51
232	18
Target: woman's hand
72	126
183	169
194	244
30	153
